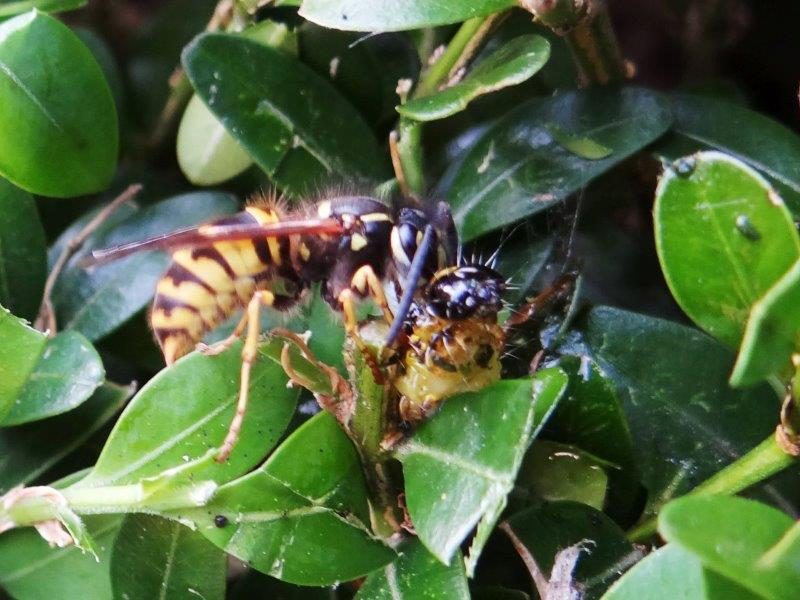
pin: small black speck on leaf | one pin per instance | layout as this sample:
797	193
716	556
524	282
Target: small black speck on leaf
220	521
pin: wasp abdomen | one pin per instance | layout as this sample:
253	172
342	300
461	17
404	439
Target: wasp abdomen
203	286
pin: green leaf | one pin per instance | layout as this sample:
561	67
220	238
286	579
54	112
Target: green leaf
279	110
716	216
20	350
9	9
29	451
550	528
186	410
686	422
97	300
385	15
23	253
301	516
553	472
416	574
207	154
58	104
518	168
32	570
516	61
703	122
753	544
671	572
157	558
66	375
772	333
460	465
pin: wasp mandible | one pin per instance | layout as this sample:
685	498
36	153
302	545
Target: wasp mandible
356	247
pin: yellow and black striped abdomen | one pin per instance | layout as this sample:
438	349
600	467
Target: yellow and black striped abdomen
203	286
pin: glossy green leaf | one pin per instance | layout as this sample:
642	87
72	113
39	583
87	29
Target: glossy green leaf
207	154
385	15
186	410
157	558
32	570
518	168
416	574
460	465
275	107
548	529
29	451
301	517
23	252
685	421
20	350
718	217
68	372
671	572
511	64
703	122
16	7
96	300
554	472
772	333
753	544
590	416
58	104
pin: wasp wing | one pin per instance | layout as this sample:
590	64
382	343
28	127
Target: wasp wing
208	234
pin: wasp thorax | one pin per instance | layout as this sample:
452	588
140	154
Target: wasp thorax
464	292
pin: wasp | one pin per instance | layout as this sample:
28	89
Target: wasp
356	247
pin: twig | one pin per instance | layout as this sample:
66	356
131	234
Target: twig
539	579
586	27
46	320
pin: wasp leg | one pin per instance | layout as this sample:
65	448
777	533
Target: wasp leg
348	303
366	281
249	352
222	345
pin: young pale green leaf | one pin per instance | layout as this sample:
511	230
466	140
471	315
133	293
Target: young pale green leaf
186	410
772	333
516	61
301	516
518	168
20	350
17	7
385	15
553	472
671	572
96	300
29	451
415	570
753	544
58	104
460	465
157	558
32	570
207	154
716	216
705	122
68	372
685	421
603	552
23	252
279	110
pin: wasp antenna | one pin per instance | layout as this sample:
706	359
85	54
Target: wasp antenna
410	284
